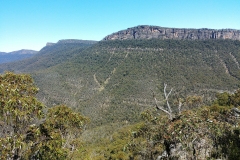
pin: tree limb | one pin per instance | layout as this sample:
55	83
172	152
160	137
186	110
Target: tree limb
166	97
161	108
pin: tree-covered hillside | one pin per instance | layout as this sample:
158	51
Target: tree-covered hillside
112	80
123	87
48	56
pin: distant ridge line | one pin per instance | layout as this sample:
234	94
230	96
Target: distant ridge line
65	41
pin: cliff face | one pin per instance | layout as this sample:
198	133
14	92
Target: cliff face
148	32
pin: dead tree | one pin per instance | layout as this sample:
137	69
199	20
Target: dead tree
168	111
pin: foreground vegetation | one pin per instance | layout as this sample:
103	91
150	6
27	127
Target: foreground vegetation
29	130
206	132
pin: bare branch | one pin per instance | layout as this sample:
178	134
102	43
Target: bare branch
161	108
169	109
179	106
165	87
166	97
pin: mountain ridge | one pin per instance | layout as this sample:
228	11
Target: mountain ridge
13	56
67	41
22	51
149	32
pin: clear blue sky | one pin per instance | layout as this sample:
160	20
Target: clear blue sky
30	24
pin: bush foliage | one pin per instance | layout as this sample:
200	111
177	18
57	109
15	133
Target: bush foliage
26	133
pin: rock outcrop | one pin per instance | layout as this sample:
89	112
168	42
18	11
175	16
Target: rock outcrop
149	32
236	112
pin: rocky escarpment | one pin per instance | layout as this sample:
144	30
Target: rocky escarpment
149	32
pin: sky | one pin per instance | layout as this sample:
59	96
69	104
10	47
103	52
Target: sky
30	24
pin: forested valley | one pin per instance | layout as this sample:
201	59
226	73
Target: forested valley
123	99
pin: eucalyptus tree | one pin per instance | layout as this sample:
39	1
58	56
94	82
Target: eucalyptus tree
25	132
18	111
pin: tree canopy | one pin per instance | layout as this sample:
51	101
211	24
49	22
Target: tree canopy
25	131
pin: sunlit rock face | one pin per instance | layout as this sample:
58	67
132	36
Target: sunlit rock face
149	32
